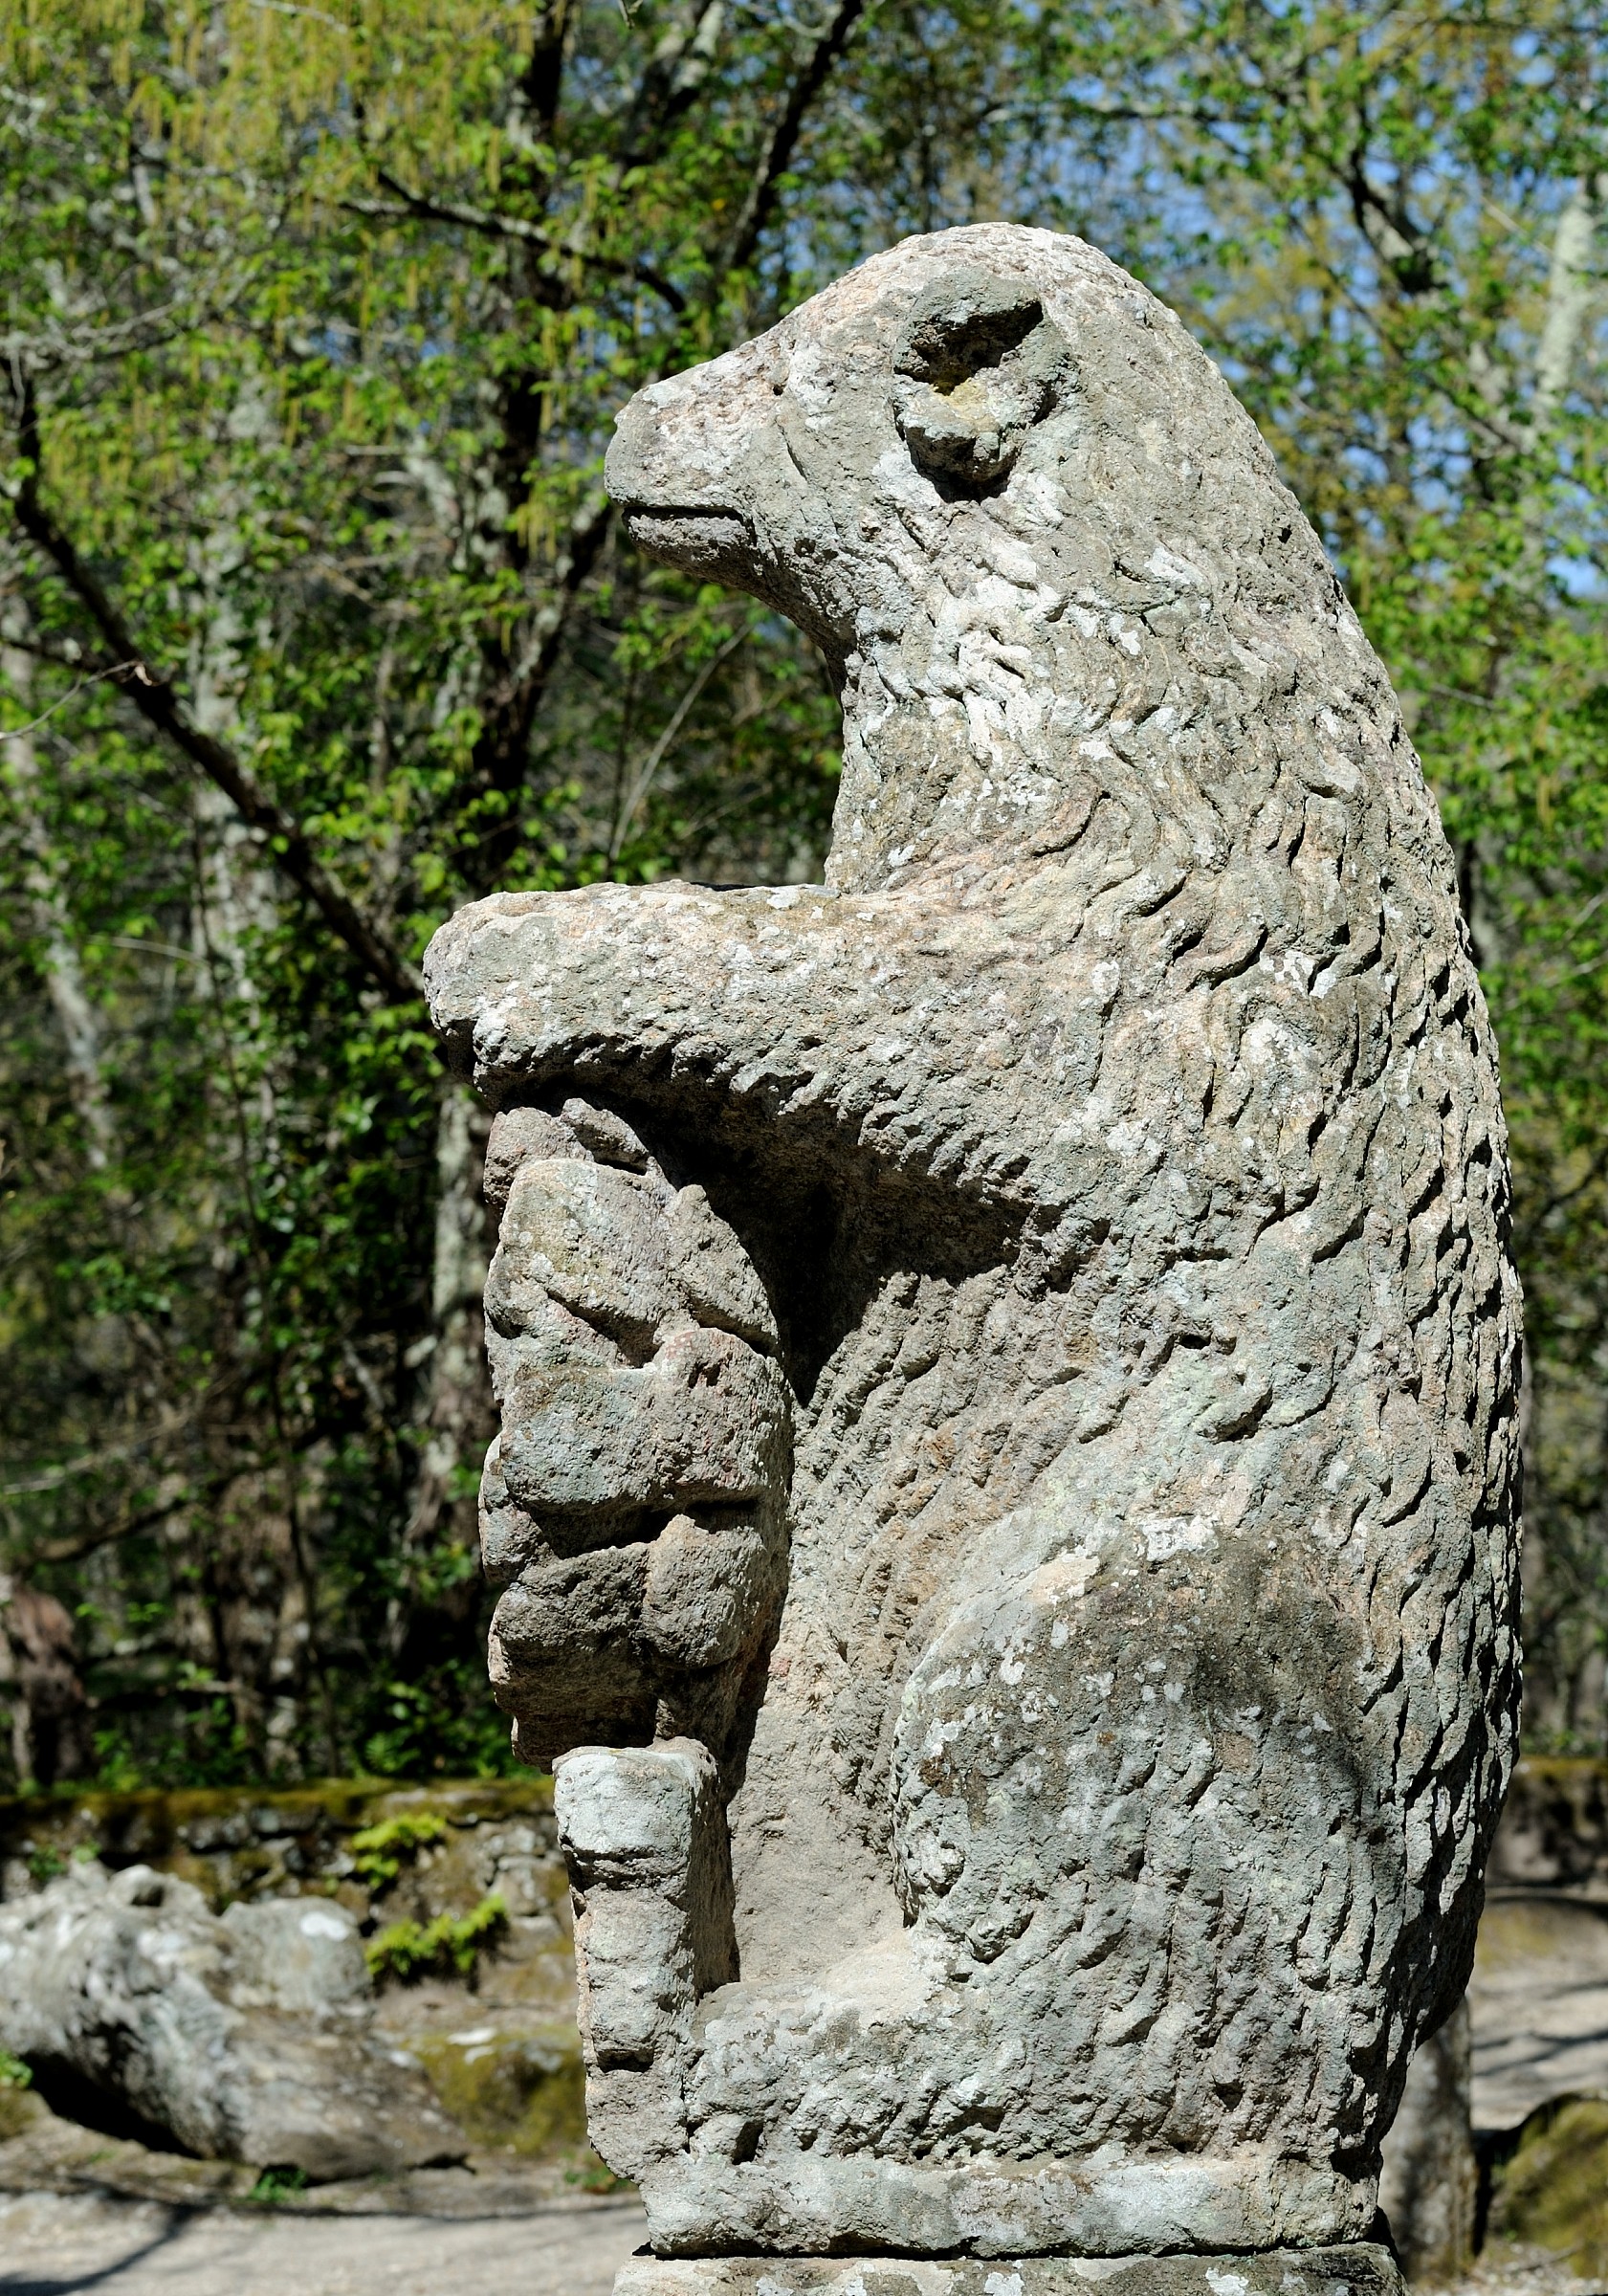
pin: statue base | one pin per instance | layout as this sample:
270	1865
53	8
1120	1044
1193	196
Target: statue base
1355	2268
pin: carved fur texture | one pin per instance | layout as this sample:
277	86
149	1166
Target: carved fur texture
1115	1144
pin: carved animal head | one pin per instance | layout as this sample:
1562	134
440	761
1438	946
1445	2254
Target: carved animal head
981	472
773	468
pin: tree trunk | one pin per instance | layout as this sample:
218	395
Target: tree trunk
40	1664
1570	287
459	1416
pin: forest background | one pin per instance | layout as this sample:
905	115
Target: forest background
315	622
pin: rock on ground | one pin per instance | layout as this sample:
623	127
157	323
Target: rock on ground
244	2038
499	2042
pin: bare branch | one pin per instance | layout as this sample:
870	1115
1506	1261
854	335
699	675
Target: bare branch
208	297
418	206
661	750
157	702
1390	231
80	1543
90	1463
676	70
284	8
18	733
783	142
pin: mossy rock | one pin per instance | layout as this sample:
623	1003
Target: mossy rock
460	1883
1552	2191
526	2091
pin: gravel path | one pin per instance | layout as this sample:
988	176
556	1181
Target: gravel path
56	2244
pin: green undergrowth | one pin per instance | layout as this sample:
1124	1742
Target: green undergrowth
275	2185
447	1946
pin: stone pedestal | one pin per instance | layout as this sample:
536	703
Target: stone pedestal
1357	2268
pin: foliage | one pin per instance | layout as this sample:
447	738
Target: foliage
379	1851
275	2185
449	1943
443	1725
13	2072
314	622
333	458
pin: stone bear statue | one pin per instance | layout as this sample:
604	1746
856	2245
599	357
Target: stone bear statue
1008	1491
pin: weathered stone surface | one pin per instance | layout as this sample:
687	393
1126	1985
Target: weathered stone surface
292	1953
1357	2269
239	2039
645	1837
633	1505
1116	1141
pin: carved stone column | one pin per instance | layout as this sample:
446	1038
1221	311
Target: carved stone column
1007	1485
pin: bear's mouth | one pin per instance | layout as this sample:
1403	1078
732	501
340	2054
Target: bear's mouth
685	534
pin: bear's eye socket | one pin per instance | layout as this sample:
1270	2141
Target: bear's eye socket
977	366
969	324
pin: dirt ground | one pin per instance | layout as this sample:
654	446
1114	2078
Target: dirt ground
1513	2271
59	2243
67	2245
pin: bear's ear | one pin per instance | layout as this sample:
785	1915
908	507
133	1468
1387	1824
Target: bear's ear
978	364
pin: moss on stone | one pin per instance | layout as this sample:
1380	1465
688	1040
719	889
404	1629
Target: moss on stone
242	1842
156	1819
522	2090
19	2109
1552	2191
